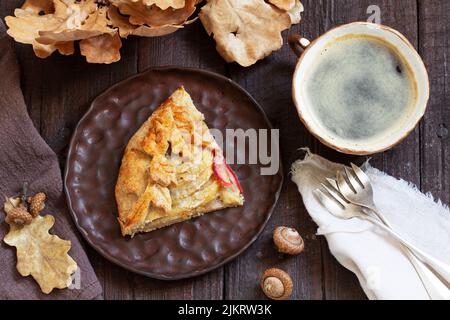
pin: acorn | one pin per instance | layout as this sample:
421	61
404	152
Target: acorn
37	203
19	216
276	284
288	240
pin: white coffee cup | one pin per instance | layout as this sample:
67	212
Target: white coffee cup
308	53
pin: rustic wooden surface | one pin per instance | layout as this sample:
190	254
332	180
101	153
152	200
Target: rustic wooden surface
58	91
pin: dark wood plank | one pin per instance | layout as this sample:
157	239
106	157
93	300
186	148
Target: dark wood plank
402	161
269	82
337	282
58	90
319	17
189	47
67	91
434	29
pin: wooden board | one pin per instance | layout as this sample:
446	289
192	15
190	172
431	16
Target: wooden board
59	89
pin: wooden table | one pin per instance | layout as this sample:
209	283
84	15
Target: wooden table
58	91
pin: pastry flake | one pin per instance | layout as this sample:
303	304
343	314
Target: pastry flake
173	170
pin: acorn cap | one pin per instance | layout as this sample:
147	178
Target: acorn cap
288	240
276	284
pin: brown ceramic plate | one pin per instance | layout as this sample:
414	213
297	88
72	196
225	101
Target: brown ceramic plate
185	249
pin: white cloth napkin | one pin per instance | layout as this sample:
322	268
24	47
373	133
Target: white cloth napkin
383	270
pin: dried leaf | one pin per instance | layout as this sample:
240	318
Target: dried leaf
11	203
25	27
54	25
165	4
285	5
245	30
39	7
42	255
83	8
126	29
83	22
140	14
43	32
101	49
295	12
65	48
162	4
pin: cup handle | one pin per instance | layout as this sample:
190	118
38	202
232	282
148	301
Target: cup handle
298	44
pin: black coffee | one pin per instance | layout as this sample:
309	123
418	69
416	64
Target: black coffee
360	88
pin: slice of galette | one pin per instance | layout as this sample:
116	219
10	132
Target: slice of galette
173	170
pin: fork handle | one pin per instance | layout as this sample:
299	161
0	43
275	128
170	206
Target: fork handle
435	288
442	269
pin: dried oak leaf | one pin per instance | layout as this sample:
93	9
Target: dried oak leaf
11	203
42	7
82	20
54	31
42	255
24	27
65	48
295	12
104	48
141	14
126	29
39	7
164	4
245	31
285	5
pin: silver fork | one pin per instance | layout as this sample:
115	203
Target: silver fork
356	188
334	202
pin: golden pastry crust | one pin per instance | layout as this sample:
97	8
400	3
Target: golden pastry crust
170	170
